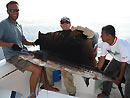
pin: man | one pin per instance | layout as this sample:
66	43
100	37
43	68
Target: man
59	42
120	63
67	77
12	40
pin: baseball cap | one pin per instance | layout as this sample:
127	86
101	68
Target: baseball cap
63	19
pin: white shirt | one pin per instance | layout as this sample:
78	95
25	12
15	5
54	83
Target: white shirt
120	50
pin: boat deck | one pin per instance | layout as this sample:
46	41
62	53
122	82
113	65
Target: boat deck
82	90
18	81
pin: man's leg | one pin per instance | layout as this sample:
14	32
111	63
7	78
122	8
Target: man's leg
45	81
36	71
68	82
113	68
127	81
49	72
24	65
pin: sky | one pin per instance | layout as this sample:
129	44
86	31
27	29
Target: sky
79	11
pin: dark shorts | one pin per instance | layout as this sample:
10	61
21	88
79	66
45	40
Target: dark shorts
19	63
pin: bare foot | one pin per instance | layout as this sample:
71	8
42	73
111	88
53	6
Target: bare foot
52	89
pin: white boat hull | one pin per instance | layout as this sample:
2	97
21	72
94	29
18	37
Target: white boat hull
18	81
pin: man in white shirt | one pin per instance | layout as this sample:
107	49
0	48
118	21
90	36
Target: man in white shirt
120	64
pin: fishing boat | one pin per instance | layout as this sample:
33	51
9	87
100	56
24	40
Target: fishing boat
15	84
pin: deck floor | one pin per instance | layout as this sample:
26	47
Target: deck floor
82	91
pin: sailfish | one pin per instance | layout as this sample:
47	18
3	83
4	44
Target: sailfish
70	49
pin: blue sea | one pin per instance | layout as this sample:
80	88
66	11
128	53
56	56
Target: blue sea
31	29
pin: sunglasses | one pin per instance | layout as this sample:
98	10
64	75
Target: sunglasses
13	10
62	22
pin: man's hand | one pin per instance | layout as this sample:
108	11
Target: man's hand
16	47
37	42
33	44
117	80
62	69
95	78
73	28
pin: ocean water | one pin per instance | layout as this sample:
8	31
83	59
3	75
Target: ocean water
32	28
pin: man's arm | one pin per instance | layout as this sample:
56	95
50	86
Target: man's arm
86	31
11	45
101	62
119	78
28	43
5	44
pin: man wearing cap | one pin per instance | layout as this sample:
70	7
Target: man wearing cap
66	26
67	76
61	42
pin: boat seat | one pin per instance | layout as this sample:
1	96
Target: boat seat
13	79
6	68
6	93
